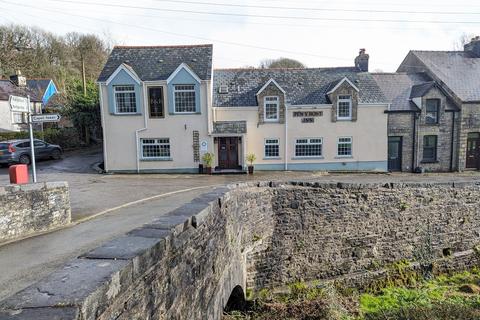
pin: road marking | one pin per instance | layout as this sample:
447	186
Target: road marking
128	204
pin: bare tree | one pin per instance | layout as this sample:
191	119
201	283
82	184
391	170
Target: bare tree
462	40
281	63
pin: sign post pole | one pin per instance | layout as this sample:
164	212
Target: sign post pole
32	147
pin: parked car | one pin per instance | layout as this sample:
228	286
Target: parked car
18	151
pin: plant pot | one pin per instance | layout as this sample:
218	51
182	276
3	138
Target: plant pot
209	170
250	169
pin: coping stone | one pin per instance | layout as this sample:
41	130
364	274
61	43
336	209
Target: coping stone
124	248
146	232
48	313
72	284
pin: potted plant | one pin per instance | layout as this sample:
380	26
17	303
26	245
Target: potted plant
251	159
208	161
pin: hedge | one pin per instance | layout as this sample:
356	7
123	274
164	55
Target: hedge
67	138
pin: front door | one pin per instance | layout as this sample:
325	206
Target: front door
473	151
394	153
228	153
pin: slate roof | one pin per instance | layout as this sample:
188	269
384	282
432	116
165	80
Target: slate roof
397	87
159	62
39	85
419	90
303	86
459	70
235	127
8	88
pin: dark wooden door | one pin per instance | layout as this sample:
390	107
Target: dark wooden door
473	151
394	153
228	153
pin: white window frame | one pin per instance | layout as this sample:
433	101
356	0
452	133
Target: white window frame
351	147
142	144
277	102
129	91
14	114
342	100
174	100
309	142
265	143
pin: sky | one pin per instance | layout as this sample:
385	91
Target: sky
318	33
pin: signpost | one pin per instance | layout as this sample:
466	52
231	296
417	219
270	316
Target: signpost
48	117
22	104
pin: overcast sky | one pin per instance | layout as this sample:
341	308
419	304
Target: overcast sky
318	33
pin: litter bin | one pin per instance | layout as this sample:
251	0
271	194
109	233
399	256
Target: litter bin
18	174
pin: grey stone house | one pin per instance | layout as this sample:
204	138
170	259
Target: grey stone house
434	113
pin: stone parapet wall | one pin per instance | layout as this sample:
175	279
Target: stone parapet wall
33	208
257	235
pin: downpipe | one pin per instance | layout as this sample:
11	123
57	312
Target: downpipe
145	123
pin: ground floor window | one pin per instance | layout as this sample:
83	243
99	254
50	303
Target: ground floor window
272	148
344	147
155	148
17	117
429	148
311	147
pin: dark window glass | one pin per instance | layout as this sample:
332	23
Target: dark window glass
155	102
24	145
432	111
429	148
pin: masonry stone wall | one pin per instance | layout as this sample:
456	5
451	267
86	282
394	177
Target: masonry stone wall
401	125
271	90
344	89
469	123
257	235
29	209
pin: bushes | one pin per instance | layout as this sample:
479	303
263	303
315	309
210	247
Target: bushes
67	138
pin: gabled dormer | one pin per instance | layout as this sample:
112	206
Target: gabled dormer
271	103
344	99
183	91
124	91
432	101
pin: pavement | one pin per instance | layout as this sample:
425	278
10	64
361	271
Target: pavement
107	206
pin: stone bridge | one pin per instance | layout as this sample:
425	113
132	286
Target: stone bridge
253	236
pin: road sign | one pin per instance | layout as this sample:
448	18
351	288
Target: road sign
18	104
48	117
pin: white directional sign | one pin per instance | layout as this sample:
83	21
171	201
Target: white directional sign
48	117
18	104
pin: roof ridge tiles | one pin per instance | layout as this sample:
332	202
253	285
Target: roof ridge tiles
165	46
280	69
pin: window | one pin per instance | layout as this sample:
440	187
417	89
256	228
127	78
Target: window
185	101
308	147
429	148
272	149
155	102
344	147
125	101
17	117
432	111
155	148
344	107
271	108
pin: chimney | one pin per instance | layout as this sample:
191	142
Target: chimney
361	62
18	79
473	47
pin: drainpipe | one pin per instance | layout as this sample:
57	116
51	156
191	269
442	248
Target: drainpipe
144	89
414	143
104	130
286	137
451	142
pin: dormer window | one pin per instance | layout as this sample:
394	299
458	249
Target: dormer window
271	108
184	97
125	100
432	111
344	107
